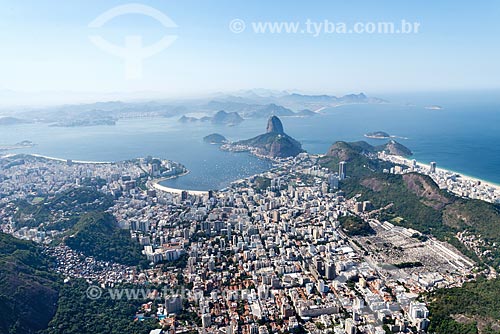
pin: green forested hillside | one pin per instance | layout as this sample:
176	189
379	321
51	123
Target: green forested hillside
28	289
97	234
61	210
354	226
473	308
414	200
78	314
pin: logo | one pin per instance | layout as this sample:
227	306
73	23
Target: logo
93	292
237	26
133	52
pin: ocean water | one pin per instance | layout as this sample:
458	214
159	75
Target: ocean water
464	137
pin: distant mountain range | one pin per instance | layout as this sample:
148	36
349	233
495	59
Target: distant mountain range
257	103
253	105
221	117
12	121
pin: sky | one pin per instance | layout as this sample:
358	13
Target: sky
46	47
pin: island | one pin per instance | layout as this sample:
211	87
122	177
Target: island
434	107
215	138
377	135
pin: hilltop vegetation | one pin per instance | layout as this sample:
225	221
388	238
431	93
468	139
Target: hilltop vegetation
28	290
78	314
97	234
359	156
88	229
473	308
61	210
31	295
414	200
355	226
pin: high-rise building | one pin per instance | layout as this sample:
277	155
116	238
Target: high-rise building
418	311
330	270
333	181
324	187
321	286
319	266
254	329
154	169
173	304
358	207
276	216
433	167
342	170
184	195
206	320
350	327
144	226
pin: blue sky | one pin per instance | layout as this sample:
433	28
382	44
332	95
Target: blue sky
46	47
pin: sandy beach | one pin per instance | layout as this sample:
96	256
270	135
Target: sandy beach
408	162
156	185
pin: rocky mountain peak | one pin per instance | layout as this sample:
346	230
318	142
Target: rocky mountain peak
274	125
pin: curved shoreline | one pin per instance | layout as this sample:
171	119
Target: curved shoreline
155	184
446	170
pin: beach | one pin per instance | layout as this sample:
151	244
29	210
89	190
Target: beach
455	182
156	185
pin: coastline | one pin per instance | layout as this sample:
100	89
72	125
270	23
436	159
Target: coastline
155	184
407	162
73	161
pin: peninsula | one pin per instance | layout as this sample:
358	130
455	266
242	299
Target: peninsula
275	143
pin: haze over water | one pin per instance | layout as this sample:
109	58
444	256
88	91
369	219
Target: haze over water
463	137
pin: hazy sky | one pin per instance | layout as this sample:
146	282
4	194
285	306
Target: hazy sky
45	46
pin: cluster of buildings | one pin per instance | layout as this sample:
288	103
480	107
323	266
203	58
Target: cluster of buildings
261	260
72	264
253	258
35	179
460	185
